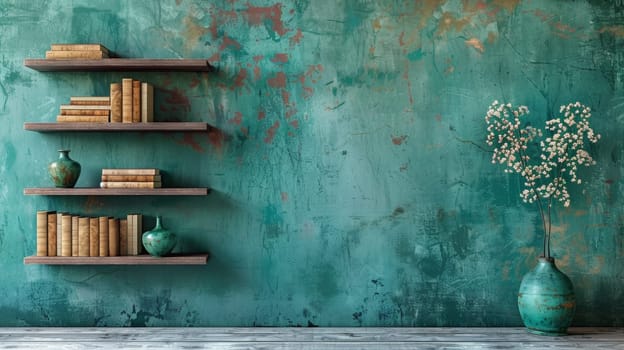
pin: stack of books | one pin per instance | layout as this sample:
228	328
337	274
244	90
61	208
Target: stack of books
131	178
65	234
132	101
94	109
77	52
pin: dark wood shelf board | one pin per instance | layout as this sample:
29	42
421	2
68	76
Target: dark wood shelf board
119	64
95	191
155	126
190	259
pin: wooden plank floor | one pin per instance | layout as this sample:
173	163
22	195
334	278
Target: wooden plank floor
305	338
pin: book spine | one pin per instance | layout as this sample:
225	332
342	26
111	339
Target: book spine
85	107
105	112
52	233
136	101
130	219
59	234
42	233
144	171
89	100
126	100
123	237
147	103
79	47
130	184
82	118
75	236
83	236
115	102
103	234
76	54
134	178
66	231
94	237
113	237
139	234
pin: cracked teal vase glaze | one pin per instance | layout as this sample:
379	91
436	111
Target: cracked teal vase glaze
546	299
64	171
159	241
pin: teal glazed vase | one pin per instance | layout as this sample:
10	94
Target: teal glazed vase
64	171
159	241
546	299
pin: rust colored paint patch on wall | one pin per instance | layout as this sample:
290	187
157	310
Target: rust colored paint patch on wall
189	140
229	43
296	39
239	81
177	100
270	134
272	14
238	118
279	81
280	58
261	115
476	44
398	140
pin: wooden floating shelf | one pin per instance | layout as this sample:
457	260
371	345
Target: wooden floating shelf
96	191
191	259
155	126
119	64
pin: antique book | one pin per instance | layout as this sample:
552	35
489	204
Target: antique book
66	232
83	236
137	178
82	118
89	100
42	233
123	237
76	54
136	101
113	237
130	184
51	233
131	171
130	222
74	234
105	112
94	237
138	230
79	47
147	103
85	107
59	235
126	100
115	103
103	234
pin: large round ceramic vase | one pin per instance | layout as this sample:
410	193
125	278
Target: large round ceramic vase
546	299
159	241
64	171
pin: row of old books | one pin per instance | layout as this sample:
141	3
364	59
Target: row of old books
131	178
131	101
64	234
77	51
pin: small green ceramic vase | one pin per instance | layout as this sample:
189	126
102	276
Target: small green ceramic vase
64	171
159	241
546	299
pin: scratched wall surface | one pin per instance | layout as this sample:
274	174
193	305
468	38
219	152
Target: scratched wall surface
351	186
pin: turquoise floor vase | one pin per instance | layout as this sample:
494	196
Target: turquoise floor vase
546	299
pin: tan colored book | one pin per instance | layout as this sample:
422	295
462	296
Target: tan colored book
82	118
87	112
113	237
136	101
130	184
75	54
79	47
131	171
86	107
115	102
103	234
138	233
123	237
59	235
135	178
42	233
75	236
89	100
66	232
126	100
83	236
94	237
130	222
147	103
51	233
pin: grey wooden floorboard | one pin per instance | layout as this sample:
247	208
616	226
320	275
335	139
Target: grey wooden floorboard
305	338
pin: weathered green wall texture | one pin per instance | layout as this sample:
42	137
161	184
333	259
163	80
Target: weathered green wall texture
351	182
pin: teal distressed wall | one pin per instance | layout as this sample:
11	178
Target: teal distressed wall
351	185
